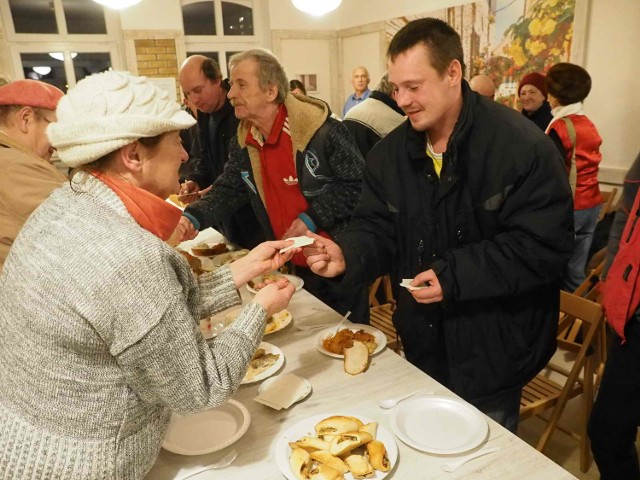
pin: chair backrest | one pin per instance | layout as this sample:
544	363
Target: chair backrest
578	325
608	205
380	290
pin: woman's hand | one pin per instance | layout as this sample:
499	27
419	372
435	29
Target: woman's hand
275	296
265	258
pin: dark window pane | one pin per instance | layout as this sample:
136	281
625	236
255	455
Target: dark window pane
229	55
33	16
212	55
237	19
84	17
199	18
87	63
32	63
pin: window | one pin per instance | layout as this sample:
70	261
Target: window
59	41
218	29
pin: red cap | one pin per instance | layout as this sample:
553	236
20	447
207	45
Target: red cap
30	93
536	79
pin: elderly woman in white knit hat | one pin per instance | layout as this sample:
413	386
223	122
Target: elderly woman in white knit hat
99	317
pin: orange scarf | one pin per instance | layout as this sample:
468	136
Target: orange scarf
151	212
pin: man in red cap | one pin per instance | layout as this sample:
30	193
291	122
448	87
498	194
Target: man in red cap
27	107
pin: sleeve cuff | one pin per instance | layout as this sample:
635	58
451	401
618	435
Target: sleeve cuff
192	219
308	221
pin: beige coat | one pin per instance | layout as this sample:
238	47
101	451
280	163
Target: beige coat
26	180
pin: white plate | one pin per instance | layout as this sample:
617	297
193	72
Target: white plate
305	427
439	424
297	281
381	339
207	431
264	385
208	235
268	348
281	319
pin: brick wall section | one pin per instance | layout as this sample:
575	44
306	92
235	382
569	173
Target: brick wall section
157	58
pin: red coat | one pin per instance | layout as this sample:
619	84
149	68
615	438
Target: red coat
588	156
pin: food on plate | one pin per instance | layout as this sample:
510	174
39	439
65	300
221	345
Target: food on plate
342	444
356	358
260	362
348	441
377	454
209	250
325	458
324	472
337	424
359	466
310	444
344	339
264	280
194	263
275	321
299	463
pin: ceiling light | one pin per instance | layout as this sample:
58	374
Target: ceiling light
42	70
60	55
117	4
316	7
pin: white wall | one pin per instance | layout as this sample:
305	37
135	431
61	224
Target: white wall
139	17
303	58
612	61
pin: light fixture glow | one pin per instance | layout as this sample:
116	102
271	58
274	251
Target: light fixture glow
42	70
117	4
60	55
316	7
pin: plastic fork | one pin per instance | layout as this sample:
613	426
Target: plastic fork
222	463
344	319
453	466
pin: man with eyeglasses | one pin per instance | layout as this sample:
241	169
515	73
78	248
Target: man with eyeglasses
28	176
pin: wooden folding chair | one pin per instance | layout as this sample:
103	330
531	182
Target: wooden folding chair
578	338
608	204
380	314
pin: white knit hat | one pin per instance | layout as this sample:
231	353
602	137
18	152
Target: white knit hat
109	110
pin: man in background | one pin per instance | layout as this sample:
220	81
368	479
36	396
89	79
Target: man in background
374	118
27	107
297	167
360	80
469	202
205	89
483	85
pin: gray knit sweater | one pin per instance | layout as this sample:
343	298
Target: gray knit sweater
99	341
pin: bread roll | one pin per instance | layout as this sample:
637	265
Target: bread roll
348	441
299	463
337	424
371	428
356	358
310	444
377	453
359	466
324	457
324	472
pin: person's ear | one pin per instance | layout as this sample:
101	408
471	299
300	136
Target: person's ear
25	118
130	156
272	92
454	72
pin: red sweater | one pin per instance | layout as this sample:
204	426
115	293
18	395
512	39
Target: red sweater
588	157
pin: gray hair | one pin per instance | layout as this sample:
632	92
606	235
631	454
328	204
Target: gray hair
384	86
270	71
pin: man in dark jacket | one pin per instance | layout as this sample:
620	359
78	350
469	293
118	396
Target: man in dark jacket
469	201
297	167
205	89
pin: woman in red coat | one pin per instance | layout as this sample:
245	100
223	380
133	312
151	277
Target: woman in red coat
579	143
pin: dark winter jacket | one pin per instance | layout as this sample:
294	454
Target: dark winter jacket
497	229
328	164
541	117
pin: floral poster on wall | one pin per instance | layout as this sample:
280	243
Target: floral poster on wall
506	39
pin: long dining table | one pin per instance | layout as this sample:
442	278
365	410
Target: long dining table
336	392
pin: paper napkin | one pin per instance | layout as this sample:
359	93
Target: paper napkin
298	242
283	391
406	283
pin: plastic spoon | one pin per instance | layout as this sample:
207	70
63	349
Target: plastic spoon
224	462
453	466
388	403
